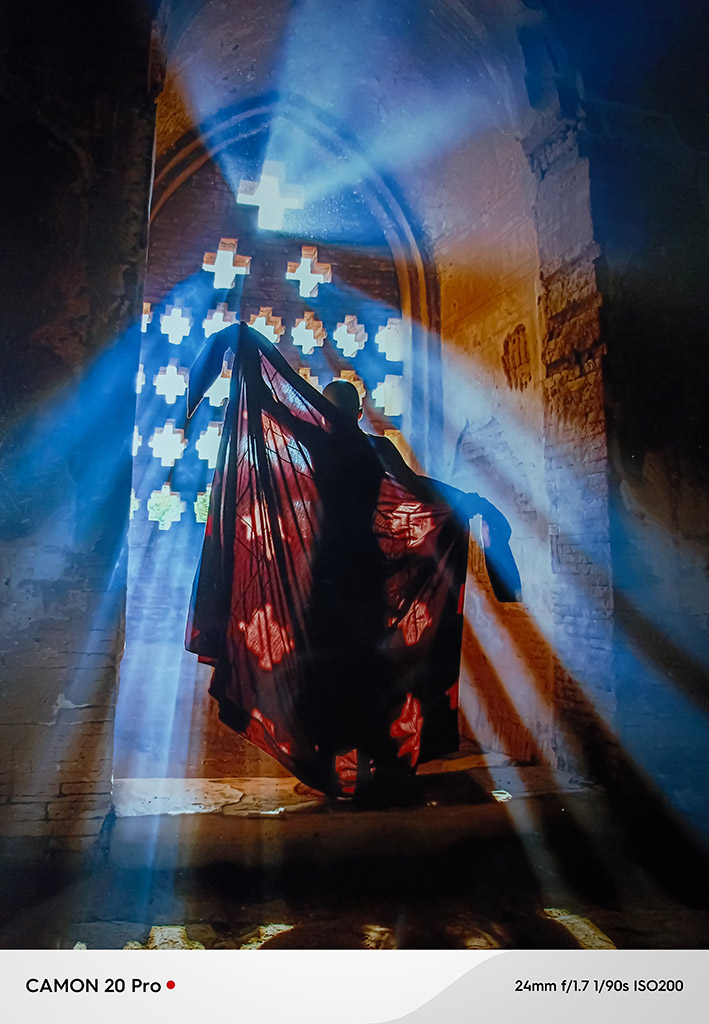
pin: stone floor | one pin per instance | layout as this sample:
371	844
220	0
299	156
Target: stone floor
492	855
490	773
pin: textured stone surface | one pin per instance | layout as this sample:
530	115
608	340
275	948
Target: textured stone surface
432	877
75	103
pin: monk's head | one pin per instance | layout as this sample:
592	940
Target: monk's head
345	396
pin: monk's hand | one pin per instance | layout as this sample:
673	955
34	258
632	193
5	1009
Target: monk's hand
497	526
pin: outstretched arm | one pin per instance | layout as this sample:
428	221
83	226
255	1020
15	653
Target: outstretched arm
307	434
205	371
425	488
499	560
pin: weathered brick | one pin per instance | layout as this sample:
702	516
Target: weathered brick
35	784
23	812
72	844
78	716
71	808
34	829
95	775
82	788
92	736
83	763
90	690
79	827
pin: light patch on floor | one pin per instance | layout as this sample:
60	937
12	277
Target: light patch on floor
533	780
463	764
271	797
136	797
474	940
266	932
170	936
243	796
466	933
584	931
275	797
375	936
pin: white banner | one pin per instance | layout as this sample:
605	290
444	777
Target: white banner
354	987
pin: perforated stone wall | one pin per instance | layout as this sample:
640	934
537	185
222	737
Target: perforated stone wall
324	306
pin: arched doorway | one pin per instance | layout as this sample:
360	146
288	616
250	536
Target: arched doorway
339	286
495	289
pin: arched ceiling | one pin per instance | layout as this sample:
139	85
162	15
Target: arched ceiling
372	66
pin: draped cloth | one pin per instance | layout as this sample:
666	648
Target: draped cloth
328	596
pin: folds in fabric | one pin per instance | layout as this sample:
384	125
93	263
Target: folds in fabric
328	597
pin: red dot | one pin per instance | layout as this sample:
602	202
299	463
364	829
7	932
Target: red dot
171	984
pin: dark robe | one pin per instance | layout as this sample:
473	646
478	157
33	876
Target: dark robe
329	594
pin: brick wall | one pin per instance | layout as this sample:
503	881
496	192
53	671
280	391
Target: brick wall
509	222
76	184
477	204
575	452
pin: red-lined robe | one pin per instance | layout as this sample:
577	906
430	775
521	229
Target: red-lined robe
329	596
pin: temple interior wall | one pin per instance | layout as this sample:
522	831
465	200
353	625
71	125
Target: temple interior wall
653	317
75	103
477	207
566	229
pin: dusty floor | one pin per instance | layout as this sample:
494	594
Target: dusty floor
548	861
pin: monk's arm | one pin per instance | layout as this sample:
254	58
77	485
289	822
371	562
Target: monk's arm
423	487
499	560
